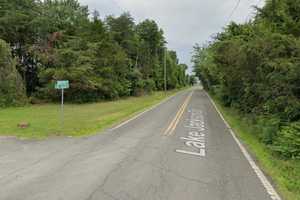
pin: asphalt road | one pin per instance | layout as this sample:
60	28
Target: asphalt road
180	150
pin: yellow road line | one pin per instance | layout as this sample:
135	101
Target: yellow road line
178	116
174	120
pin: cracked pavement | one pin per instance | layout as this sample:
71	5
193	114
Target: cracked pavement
134	162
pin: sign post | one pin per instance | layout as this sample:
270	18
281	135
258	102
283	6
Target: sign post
62	85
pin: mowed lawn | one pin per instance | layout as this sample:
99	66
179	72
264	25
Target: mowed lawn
79	120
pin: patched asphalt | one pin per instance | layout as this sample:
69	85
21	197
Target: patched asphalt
135	161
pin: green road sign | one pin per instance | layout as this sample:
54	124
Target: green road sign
62	85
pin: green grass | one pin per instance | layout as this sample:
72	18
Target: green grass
79	120
285	174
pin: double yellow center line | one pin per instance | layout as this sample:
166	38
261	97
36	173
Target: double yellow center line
175	121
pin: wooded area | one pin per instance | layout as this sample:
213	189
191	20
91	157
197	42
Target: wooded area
255	68
45	41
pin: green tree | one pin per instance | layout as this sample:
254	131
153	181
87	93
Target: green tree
151	49
17	28
12	91
103	59
255	68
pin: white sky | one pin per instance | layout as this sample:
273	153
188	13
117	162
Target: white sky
185	22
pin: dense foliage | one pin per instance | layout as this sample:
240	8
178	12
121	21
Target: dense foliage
12	91
255	68
103	59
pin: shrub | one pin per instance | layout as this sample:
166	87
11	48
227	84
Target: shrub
268	128
287	143
149	85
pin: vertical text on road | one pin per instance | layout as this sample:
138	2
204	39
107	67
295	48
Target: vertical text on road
196	139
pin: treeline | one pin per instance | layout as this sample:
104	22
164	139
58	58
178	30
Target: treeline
255	68
103	59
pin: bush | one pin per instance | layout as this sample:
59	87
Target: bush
149	85
287	143
268	129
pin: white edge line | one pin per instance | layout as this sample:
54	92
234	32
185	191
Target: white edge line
267	185
147	110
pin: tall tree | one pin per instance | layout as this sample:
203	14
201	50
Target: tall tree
17	28
12	91
103	59
254	67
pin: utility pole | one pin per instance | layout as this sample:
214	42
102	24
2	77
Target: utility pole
62	110
273	14
273	9
165	69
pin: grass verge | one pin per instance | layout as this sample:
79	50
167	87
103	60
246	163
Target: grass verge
285	174
79	120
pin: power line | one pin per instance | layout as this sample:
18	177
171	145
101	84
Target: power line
118	6
234	9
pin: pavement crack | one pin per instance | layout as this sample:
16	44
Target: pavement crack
106	178
167	170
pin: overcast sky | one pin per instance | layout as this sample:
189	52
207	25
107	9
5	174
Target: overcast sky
185	22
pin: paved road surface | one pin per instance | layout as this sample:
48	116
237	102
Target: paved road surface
180	150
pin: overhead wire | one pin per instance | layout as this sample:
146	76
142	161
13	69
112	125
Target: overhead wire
118	6
234	9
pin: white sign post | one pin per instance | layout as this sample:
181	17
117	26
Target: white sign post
61	85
